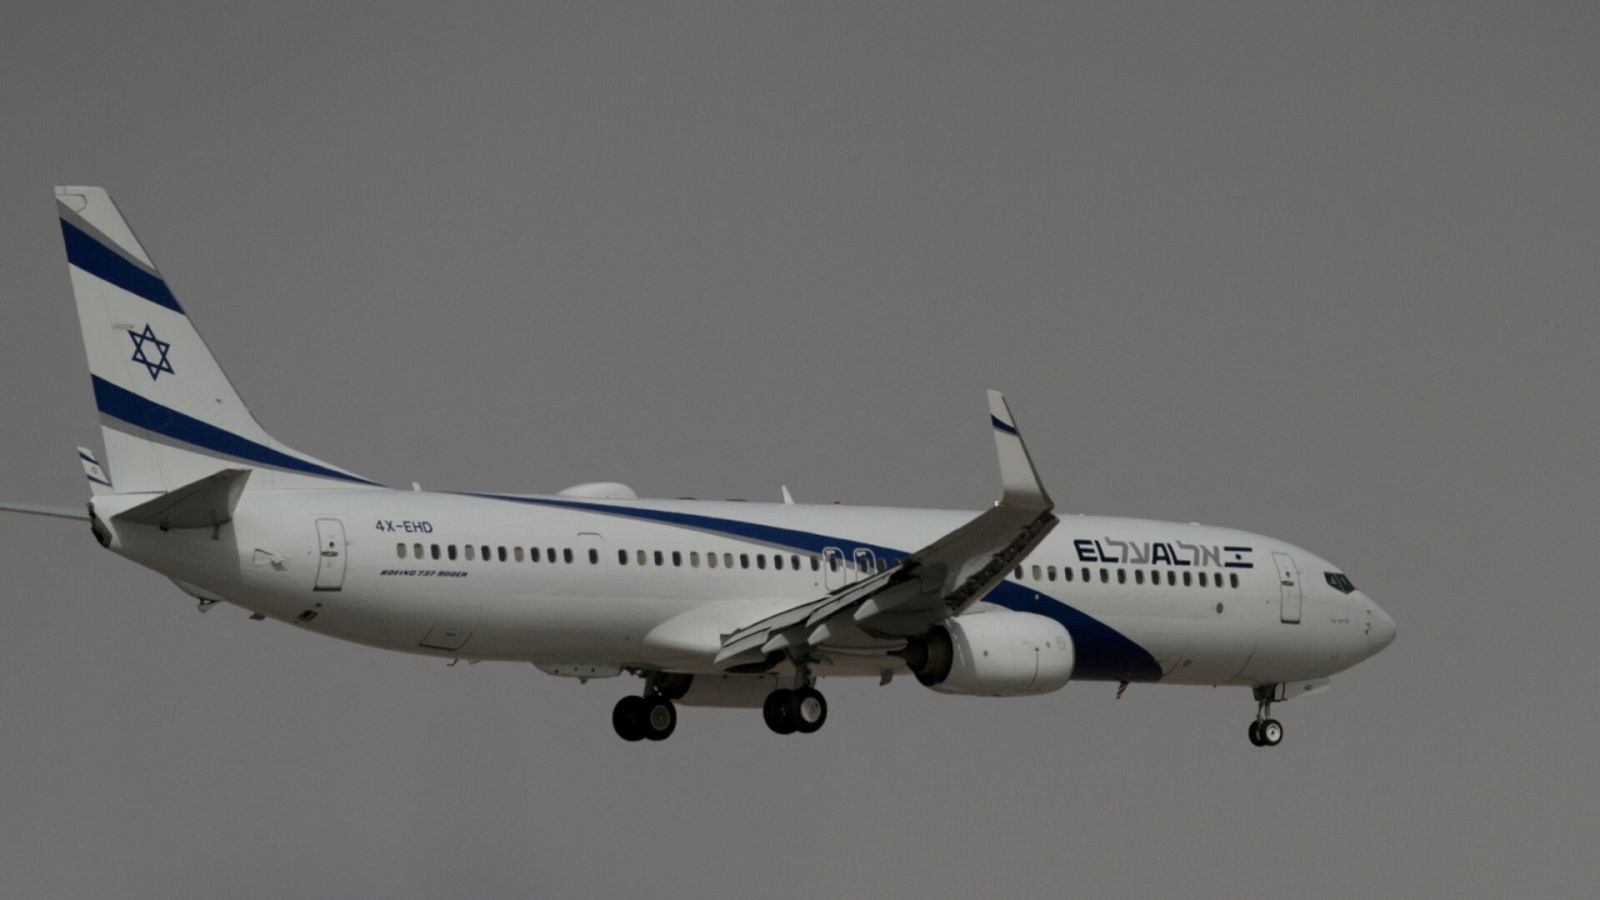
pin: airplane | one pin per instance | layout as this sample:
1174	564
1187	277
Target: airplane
727	604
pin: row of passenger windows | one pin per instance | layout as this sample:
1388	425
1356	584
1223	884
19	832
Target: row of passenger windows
486	553
1189	578
777	561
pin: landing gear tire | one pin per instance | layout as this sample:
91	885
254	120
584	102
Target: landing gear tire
1271	733
627	717
809	710
659	718
779	711
1255	734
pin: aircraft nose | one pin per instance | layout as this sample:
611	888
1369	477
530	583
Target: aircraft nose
1383	627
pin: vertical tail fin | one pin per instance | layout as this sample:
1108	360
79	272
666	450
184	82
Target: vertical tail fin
168	413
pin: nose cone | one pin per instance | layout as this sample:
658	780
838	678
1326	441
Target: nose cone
1383	628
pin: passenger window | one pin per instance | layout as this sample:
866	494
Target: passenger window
517	551
711	560
468	549
777	561
1105	576
694	559
416	550
622	557
1203	579
502	554
1018	573
1172	578
400	550
487	556
659	561
450	551
761	560
1037	575
550	554
744	560
643	559
1122	576
435	551
533	554
816	564
727	560
1138	576
1050	572
1186	579
794	561
1085	574
1066	573
1233	578
594	557
566	554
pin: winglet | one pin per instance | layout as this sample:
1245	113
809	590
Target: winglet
1018	477
98	482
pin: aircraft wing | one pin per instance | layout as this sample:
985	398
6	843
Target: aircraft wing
936	582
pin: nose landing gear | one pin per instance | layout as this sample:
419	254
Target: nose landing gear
1265	731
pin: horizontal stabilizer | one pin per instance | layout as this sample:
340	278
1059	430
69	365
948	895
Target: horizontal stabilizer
201	504
45	509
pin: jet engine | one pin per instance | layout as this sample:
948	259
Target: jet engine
993	654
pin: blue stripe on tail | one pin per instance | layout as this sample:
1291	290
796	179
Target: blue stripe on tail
123	404
104	263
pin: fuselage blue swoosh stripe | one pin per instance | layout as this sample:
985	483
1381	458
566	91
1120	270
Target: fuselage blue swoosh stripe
1008	429
1103	653
125	405
104	263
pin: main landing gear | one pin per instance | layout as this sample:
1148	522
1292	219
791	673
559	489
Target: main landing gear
1265	731
654	716
803	710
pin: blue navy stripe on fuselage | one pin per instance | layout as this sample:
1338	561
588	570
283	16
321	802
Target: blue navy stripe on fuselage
124	405
104	263
1103	653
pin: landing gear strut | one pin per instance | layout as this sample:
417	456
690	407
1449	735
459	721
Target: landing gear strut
1265	731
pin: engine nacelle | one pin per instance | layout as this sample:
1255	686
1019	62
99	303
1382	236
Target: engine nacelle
993	654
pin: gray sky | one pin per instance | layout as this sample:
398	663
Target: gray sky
1328	274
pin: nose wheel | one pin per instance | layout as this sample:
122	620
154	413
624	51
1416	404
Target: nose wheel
1265	731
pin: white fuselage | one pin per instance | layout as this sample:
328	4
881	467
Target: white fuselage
656	584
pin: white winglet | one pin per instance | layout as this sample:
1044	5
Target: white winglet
1018	477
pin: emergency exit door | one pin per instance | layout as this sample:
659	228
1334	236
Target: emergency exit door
330	555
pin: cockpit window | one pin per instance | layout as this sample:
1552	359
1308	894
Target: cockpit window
1339	582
